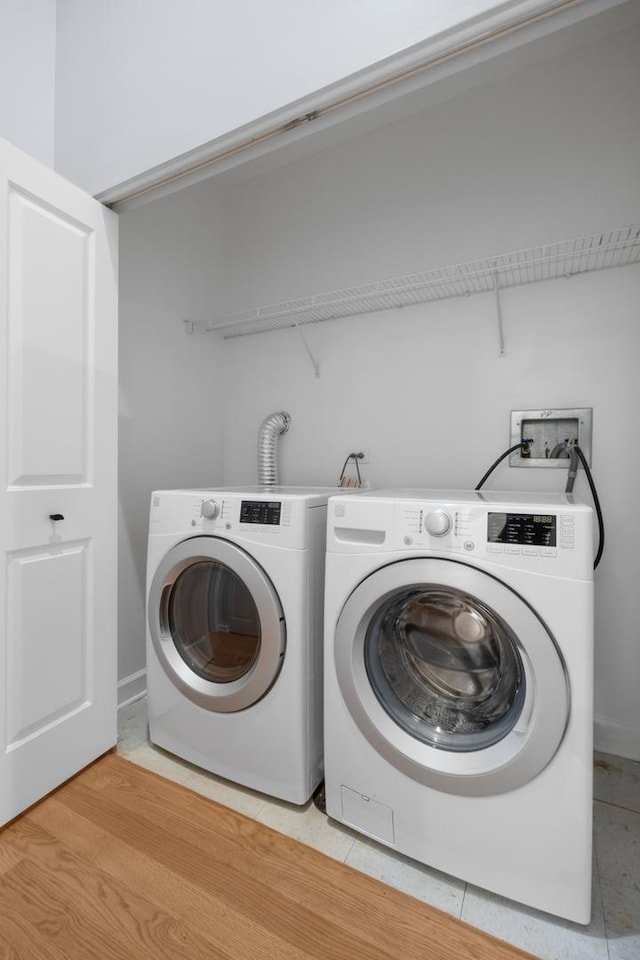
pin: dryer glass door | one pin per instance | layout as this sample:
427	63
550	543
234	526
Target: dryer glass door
216	623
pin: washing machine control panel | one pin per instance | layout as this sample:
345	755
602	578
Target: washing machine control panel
516	537
486	530
437	523
209	509
551	534
523	529
554	537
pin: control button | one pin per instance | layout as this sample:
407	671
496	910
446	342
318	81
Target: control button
209	509
469	545
530	552
494	548
548	552
340	510
511	549
567	545
408	540
437	523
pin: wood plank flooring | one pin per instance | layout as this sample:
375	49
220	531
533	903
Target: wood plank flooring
120	863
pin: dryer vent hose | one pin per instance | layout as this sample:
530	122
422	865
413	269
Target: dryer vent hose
270	429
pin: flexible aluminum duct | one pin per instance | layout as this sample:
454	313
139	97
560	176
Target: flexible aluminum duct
270	428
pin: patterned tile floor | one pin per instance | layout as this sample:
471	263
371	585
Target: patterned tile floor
614	931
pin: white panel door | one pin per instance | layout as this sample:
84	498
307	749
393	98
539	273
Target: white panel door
58	479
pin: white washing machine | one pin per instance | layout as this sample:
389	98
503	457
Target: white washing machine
459	685
234	633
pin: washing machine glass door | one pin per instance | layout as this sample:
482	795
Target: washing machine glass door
452	676
216	624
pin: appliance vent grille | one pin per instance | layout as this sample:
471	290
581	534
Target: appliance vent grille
566	258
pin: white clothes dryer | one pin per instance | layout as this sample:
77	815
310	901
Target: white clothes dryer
459	685
234	633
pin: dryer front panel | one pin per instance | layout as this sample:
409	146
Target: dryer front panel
451	676
216	623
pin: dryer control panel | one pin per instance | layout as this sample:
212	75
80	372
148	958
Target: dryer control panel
249	516
261	511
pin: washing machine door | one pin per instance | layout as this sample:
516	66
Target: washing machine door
451	676
216	624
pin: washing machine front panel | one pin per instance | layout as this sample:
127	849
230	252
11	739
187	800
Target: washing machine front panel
451	676
216	624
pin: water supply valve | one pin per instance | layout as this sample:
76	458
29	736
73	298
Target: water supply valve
546	436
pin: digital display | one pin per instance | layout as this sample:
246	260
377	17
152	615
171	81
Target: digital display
260	511
526	529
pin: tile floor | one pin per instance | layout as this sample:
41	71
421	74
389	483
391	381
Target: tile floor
614	932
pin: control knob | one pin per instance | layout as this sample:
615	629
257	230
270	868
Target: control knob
437	523
209	509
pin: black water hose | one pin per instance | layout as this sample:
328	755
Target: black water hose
516	446
596	504
574	453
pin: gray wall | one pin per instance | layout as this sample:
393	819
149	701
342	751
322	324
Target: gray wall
540	154
171	392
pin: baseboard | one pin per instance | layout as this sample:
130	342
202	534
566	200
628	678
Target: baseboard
614	738
132	688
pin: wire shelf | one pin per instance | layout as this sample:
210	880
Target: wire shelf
566	258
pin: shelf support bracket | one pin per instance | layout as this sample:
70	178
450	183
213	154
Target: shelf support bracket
496	286
314	362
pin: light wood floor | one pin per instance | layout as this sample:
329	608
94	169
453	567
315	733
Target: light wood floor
120	863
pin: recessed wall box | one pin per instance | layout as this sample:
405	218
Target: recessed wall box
548	434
